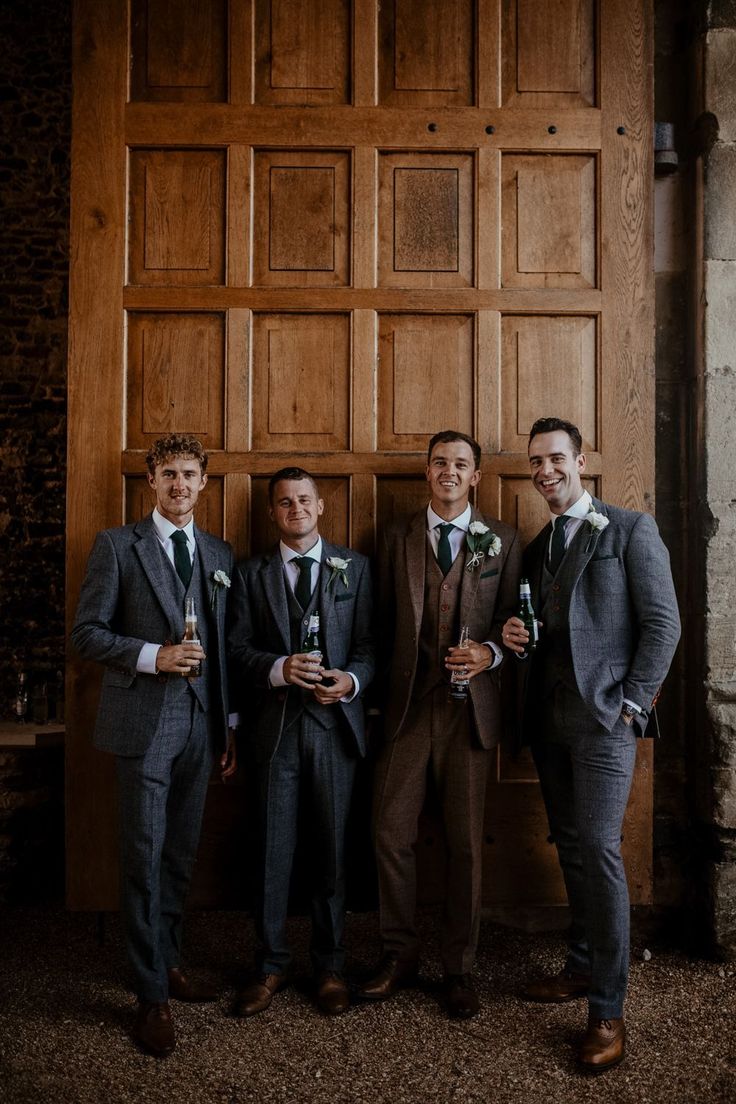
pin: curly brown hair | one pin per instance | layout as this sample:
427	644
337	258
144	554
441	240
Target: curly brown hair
176	444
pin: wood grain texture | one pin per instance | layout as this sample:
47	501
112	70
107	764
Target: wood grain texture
179	50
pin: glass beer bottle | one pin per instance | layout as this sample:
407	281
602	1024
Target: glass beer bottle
459	681
526	614
191	636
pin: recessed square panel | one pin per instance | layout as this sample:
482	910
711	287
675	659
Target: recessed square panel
303	53
398	498
549	53
426	223
178	50
549	220
175	377
208	513
425	378
302	218
548	367
301	382
426	53
177	217
333	525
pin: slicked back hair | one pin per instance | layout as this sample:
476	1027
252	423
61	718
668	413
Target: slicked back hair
290	473
551	425
173	447
445	436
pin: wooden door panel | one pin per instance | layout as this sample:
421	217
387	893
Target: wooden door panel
549	53
323	230
177	217
178	50
176	377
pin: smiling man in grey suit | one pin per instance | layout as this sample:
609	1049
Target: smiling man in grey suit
602	587
306	726
444	567
163	724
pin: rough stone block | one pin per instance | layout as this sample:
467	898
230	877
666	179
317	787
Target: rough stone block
720	196
723	782
720	297
722	723
721	13
720	80
723	898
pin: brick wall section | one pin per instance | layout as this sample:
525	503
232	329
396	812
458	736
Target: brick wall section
35	101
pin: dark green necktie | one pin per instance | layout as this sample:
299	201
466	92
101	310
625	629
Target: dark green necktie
182	559
557	548
303	589
444	549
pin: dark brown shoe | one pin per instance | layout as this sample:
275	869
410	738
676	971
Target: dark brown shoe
557	989
391	974
153	1029
461	999
257	996
183	988
333	997
603	1045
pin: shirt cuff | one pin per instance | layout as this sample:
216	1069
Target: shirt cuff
233	720
633	705
276	674
146	664
496	652
356	691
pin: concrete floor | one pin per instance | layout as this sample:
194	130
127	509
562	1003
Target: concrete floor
65	1014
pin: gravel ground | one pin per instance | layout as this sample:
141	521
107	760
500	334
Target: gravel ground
65	1016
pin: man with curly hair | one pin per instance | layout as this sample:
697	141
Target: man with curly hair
162	719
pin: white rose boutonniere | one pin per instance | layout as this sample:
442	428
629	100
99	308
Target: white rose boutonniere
220	581
597	523
481	542
339	568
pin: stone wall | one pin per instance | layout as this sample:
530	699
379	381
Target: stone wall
35	97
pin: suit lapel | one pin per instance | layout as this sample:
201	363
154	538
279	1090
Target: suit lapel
416	562
151	555
582	549
274	586
470	579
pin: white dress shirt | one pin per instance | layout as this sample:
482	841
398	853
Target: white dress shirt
457	538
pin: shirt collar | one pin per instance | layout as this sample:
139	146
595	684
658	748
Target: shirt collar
164	527
462	521
578	509
314	553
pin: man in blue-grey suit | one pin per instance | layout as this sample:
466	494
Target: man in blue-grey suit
163	722
602	589
305	725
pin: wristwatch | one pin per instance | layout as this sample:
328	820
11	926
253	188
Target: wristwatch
628	713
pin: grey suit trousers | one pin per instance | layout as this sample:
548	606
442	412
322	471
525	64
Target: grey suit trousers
585	773
161	797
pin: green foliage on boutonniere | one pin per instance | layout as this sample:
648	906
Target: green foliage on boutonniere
481	542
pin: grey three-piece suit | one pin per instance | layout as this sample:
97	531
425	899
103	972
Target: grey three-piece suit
610	629
299	747
163	729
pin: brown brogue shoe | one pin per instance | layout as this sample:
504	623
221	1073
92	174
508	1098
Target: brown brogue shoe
257	996
461	999
391	974
153	1028
183	988
557	989
333	997
603	1045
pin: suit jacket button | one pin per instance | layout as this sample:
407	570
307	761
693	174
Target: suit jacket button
444	607
555	586
444	628
407	674
445	586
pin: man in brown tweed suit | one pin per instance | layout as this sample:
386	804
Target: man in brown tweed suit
430	585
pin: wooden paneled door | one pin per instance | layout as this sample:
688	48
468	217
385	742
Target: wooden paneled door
317	231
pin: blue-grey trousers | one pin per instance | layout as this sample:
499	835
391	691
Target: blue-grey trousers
161	797
585	773
314	767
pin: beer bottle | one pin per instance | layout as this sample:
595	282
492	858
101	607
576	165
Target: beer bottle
526	614
191	636
311	645
459	681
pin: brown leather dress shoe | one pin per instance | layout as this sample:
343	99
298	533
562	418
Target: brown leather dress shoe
183	988
391	974
461	999
333	997
603	1045
557	989
257	996
153	1028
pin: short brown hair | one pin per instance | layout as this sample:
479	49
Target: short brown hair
176	444
445	436
551	425
296	474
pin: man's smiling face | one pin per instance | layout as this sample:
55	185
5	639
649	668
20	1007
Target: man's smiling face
451	473
556	470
